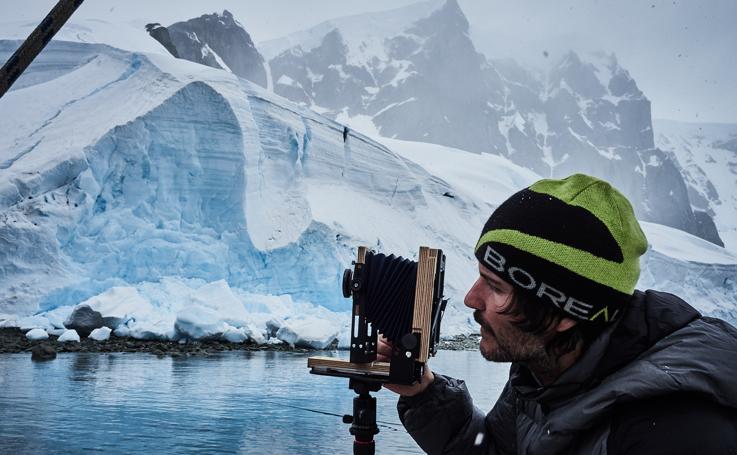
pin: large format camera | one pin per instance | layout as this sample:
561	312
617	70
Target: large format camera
403	301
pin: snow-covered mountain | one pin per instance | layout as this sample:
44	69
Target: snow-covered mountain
707	155
182	200
414	73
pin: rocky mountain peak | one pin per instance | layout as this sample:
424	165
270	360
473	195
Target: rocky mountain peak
217	40
597	75
578	76
448	17
332	49
569	59
446	24
622	84
224	19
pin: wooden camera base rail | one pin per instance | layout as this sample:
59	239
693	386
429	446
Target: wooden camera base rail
338	367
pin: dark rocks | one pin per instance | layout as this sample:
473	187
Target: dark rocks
84	320
706	229
13	340
43	352
161	34
460	343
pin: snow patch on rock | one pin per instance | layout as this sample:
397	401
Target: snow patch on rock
69	336
37	334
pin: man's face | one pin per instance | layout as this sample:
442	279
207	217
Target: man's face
501	340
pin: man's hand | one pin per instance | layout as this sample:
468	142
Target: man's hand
384	354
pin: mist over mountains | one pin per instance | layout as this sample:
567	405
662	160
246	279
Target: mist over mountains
415	74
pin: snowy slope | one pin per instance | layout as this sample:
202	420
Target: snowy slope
703	274
126	35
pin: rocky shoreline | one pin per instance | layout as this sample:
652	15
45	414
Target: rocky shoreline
13	340
460	343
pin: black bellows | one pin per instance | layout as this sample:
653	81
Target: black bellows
390	293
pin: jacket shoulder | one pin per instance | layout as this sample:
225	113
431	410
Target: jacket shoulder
680	423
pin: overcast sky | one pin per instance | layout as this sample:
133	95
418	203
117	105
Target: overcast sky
682	53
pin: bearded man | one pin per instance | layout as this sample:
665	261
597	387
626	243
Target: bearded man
597	367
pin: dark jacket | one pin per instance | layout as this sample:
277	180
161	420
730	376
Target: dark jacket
662	379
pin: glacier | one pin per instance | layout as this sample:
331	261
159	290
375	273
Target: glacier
182	202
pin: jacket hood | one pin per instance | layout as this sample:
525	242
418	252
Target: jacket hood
651	316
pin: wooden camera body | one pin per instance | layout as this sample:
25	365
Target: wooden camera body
399	299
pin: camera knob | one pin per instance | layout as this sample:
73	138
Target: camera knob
409	341
347	279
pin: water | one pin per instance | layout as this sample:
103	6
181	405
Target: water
237	402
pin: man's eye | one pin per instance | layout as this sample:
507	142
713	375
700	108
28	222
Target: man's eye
492	286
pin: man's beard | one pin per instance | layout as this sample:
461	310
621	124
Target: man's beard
524	348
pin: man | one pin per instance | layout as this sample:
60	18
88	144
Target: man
597	367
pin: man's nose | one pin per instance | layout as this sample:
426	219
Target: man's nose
473	298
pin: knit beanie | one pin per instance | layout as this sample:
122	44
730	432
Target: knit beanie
574	243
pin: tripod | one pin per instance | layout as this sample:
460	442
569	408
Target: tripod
363	420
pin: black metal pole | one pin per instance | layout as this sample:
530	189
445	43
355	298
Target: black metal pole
363	421
36	41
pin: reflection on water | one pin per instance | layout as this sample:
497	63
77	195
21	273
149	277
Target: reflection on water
238	402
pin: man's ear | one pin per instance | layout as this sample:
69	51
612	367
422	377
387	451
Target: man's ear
565	324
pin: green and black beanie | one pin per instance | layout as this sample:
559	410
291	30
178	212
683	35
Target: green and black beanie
574	243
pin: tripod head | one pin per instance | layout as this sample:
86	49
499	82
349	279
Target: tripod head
363	420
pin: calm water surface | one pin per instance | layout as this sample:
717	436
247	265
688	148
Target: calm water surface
237	402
